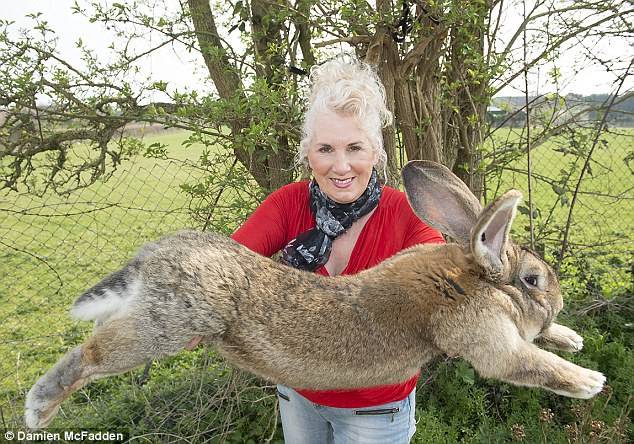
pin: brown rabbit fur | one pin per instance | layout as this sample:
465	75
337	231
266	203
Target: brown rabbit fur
484	299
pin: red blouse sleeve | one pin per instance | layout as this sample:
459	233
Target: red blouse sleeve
265	230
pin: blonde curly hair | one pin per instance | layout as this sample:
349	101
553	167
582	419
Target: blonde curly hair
347	85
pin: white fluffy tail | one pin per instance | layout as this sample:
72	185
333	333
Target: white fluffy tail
108	299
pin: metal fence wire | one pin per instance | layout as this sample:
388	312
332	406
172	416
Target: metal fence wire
52	248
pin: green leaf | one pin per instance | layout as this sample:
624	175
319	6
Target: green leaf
156	150
160	85
558	190
465	372
523	210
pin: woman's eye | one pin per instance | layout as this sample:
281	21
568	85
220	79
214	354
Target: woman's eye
355	148
531	280
325	149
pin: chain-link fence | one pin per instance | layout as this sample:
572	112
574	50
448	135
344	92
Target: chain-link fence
581	200
52	247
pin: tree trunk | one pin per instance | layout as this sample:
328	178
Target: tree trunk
269	65
465	117
381	53
226	79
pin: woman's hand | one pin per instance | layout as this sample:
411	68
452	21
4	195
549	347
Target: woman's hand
193	342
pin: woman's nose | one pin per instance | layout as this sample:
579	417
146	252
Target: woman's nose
341	163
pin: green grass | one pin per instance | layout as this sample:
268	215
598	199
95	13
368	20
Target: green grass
609	175
54	248
602	223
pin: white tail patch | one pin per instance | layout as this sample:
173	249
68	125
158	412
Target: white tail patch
108	304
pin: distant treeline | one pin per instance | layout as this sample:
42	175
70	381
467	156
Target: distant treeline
510	110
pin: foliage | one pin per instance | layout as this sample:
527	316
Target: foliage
190	398
62	130
223	195
195	396
441	62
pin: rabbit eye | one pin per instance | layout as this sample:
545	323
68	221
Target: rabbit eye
531	280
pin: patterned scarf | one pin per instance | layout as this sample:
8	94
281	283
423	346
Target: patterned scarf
311	248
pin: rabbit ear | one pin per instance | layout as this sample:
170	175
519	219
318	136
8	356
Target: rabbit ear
440	199
491	234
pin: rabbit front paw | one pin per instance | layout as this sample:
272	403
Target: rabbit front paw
562	338
585	383
573	341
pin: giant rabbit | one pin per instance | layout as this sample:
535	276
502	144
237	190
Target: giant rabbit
483	298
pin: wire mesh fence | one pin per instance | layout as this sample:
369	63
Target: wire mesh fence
581	198
54	247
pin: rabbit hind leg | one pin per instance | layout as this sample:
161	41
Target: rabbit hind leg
114	349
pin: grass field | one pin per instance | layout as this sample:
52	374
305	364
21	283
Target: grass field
602	223
53	248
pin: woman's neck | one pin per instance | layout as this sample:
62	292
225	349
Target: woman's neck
343	246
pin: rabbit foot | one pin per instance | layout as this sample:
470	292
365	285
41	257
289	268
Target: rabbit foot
586	384
37	414
570	338
562	338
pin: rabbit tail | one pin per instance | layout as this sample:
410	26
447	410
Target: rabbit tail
112	297
108	299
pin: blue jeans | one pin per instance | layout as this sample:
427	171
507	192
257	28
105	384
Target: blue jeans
305	422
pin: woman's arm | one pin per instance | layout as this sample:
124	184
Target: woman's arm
265	230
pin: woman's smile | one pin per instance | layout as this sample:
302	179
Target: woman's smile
343	183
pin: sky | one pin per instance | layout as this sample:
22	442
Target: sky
187	70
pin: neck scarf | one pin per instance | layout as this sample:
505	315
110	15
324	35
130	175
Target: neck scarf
311	248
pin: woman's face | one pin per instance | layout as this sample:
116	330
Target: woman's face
340	156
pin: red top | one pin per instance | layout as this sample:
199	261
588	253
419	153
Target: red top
390	229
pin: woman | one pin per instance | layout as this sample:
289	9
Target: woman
341	222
